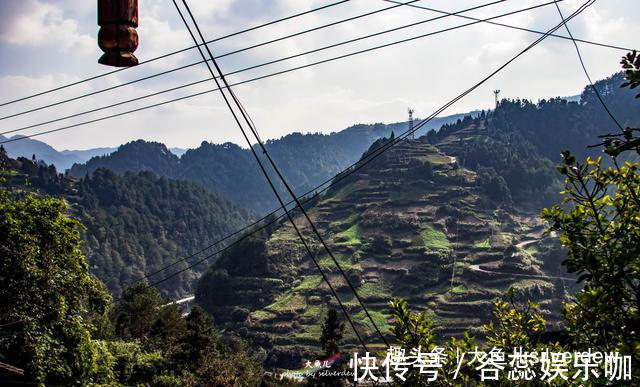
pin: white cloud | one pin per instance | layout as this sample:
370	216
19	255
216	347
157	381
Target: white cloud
372	87
44	24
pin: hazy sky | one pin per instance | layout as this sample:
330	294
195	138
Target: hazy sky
47	43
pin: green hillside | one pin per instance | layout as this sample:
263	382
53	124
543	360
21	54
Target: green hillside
412	224
137	223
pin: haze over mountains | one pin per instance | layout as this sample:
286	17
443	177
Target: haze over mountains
448	220
65	159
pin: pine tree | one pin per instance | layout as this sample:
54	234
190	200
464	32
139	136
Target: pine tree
332	332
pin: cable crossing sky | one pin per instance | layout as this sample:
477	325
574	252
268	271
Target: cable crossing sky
240	82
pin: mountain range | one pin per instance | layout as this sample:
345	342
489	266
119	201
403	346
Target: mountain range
63	159
306	160
449	221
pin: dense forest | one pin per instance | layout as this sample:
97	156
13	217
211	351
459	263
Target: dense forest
513	146
138	223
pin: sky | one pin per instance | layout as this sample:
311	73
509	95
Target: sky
49	43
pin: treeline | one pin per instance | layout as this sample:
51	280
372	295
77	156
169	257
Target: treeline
306	160
137	223
60	326
519	142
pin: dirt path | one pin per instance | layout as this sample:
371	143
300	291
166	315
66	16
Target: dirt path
478	269
522	244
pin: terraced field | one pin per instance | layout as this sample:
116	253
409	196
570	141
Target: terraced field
411	224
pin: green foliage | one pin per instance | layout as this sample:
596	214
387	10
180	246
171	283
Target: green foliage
411	329
493	185
139	223
247	256
616	143
434	239
459	289
631	65
417	330
45	292
234	365
599	223
514	139
153	347
350	236
484	244
332	333
310	282
515	326
380	318
131	365
142	315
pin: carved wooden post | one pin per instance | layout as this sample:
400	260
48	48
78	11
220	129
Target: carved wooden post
117	37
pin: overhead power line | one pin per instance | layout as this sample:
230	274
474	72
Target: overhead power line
259	77
251	126
348	171
265	43
249	123
176	52
398	4
584	68
384	147
615	47
230	73
266	175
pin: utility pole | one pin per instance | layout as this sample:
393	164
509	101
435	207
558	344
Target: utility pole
497	93
411	111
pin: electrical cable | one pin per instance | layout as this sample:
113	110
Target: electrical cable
281	177
516	27
454	100
257	78
175	52
230	73
338	177
307	248
584	68
199	62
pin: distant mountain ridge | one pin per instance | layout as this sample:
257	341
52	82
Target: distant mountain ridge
449	221
230	170
63	159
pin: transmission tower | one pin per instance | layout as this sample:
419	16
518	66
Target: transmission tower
411	111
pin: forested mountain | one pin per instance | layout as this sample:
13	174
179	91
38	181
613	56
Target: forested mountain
63	159
448	221
413	224
306	160
138	223
519	143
